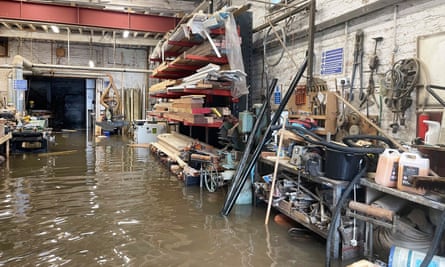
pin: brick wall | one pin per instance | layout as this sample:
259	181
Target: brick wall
399	26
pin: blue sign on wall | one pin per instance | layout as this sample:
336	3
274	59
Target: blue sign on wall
20	84
277	95
332	61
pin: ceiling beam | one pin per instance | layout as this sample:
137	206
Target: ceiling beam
20	10
32	27
78	38
7	26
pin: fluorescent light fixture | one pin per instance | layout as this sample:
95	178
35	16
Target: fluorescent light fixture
91	63
126	34
55	29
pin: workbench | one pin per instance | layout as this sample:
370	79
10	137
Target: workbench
4	140
374	191
337	187
28	141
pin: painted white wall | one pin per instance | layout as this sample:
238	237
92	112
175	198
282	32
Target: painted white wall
399	26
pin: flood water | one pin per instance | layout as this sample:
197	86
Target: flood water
102	202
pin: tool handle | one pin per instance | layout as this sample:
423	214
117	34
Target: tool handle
371	210
200	157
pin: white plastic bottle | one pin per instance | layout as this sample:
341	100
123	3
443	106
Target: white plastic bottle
433	133
411	164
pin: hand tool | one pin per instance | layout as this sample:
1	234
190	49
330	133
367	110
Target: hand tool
341	118
373	65
358	62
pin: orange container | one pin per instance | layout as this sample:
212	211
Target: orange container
411	164
388	168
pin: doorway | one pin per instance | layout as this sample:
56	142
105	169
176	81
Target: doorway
61	100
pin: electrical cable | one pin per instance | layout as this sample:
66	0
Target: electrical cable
315	139
338	208
349	140
436	241
269	62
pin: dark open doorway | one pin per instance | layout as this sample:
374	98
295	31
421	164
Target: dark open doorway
62	99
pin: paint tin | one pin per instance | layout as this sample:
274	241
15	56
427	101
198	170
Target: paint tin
403	257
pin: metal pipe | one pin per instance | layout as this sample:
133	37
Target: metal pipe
68	67
234	192
18	64
282	17
250	141
311	44
20	61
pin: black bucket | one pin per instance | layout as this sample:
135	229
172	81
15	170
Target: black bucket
340	165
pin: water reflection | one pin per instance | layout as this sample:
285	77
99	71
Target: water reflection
110	204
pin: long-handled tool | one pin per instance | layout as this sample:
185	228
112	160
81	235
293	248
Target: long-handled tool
358	62
341	118
373	65
241	173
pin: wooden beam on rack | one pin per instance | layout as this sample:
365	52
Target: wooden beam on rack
209	59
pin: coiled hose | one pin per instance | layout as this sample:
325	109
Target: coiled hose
310	137
407	236
349	140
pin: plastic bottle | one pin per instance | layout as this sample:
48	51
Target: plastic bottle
432	135
411	164
387	168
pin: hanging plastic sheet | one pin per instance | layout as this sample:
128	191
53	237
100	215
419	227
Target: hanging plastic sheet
234	54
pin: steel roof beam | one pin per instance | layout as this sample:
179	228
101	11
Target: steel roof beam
78	38
85	17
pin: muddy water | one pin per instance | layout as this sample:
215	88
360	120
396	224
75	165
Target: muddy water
101	202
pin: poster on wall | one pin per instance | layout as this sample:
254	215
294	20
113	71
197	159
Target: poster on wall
332	61
431	52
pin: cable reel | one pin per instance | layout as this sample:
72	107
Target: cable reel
399	82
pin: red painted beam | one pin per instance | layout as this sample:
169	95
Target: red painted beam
80	16
55	14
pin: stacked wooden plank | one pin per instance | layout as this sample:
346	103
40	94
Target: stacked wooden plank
174	144
162	85
188	109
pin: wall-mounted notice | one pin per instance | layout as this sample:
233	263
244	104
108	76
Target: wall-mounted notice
332	61
20	85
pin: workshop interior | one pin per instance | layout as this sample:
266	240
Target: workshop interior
330	113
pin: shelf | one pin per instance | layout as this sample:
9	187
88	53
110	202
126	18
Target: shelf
209	125
283	206
401	194
185	65
175	93
304	105
315	117
186	123
299	217
5	138
285	165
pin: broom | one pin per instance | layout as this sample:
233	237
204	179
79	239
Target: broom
434	185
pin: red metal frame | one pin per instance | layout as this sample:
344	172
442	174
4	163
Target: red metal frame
19	10
210	59
182	43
